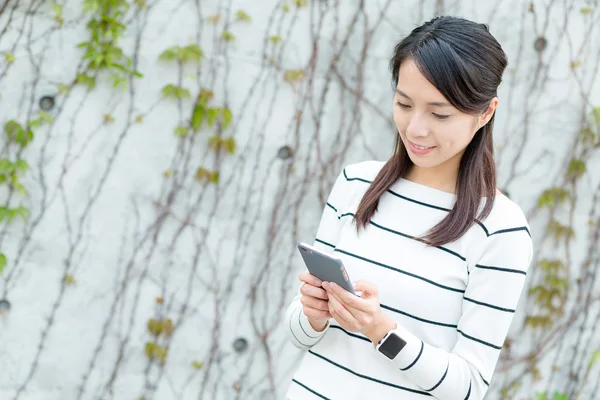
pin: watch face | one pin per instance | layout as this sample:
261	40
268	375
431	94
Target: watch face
392	346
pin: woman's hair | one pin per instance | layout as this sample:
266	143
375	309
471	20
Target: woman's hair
465	63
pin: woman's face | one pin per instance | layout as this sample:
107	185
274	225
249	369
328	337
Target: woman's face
434	132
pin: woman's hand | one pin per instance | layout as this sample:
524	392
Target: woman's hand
359	314
314	301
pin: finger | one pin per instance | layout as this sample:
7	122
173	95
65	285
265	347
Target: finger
367	288
347	298
314	313
338	311
313	291
306	277
314	303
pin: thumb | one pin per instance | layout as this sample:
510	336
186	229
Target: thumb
367	288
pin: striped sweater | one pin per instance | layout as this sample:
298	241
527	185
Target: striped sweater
453	304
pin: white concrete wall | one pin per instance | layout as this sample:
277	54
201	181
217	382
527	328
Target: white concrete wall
220	259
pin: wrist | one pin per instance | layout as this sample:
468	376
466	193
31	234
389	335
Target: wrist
317	325
381	325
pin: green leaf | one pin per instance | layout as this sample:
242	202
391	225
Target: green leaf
275	39
21	166
10	58
197	117
576	169
214	142
192	53
212	113
85	80
285	8
230	145
596	114
586	10
243	16
226	118
197	364
12	129
170	54
3	262
550	197
168	90
57	8
593	360
228	36
181	131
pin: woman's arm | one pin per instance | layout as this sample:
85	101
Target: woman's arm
302	334
494	288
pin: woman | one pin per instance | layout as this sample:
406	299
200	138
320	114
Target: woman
439	255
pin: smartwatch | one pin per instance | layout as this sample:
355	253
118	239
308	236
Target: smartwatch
391	345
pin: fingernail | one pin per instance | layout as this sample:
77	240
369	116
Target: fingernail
325	285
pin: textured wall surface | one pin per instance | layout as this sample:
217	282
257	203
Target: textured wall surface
148	224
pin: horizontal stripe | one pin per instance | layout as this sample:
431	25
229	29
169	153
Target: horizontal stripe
319	395
338	327
399	195
400	271
416	359
406	235
508	230
367	377
419	202
418	318
325	243
354	179
521	228
412	237
441	380
490	305
493	346
487	233
514	271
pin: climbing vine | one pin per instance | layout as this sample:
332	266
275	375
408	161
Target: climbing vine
101	50
12	169
553	286
203	114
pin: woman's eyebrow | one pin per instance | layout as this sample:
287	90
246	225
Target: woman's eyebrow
432	103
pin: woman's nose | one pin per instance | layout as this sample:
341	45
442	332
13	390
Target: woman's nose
417	127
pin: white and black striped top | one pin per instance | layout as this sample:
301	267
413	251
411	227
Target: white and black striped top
453	304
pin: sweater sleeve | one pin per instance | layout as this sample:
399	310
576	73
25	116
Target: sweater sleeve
301	333
493	291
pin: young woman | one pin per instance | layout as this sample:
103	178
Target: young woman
439	254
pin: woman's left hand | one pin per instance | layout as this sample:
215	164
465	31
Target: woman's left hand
359	314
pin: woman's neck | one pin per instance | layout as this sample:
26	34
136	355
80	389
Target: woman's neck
441	177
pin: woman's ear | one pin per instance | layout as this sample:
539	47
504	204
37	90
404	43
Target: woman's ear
489	113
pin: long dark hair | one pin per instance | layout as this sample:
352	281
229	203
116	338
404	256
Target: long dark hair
465	63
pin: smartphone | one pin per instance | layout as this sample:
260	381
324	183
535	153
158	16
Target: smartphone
325	267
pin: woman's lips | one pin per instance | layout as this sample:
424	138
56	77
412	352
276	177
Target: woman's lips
420	150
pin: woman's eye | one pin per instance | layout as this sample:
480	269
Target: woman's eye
438	116
402	105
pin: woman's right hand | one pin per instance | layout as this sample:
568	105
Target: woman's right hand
314	301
